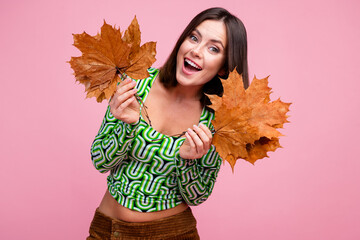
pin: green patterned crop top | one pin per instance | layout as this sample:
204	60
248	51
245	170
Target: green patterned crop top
147	173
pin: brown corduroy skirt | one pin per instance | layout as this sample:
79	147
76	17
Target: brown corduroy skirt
181	226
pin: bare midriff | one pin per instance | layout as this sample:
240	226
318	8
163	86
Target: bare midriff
110	207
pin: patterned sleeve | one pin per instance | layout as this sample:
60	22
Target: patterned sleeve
111	143
196	178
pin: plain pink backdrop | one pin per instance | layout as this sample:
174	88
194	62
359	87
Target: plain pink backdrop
309	189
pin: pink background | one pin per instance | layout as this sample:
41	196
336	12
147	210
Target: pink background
309	189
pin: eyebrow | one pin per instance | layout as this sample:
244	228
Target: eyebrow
212	40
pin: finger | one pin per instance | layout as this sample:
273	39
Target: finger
125	86
198	142
192	152
120	99
190	141
203	137
124	82
126	103
208	133
206	130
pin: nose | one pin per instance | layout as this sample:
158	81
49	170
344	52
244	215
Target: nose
196	50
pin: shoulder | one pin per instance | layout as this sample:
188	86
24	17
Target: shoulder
207	116
144	85
153	72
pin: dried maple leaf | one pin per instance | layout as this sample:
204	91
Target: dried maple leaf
246	121
108	54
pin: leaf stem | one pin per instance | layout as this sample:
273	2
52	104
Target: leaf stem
140	101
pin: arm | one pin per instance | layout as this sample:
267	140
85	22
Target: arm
112	142
196	177
118	128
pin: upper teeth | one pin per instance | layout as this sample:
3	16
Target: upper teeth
192	64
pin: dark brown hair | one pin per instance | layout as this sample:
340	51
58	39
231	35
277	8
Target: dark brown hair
236	55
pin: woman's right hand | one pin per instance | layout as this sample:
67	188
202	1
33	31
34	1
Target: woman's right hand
123	104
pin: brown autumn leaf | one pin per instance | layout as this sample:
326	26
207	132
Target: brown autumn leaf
246	121
108	54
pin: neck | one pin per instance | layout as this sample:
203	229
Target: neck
183	93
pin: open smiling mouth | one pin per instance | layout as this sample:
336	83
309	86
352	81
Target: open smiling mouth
191	66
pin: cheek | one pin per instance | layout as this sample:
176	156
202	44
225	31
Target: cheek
181	51
179	57
216	63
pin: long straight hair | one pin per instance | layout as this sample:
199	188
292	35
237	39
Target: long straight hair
236	54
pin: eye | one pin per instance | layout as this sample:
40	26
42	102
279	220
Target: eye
214	49
193	38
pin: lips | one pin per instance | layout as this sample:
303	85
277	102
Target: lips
190	67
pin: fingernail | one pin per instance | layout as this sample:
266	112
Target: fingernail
195	126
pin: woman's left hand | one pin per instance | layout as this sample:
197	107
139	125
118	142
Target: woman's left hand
197	142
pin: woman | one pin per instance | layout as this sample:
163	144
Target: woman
161	160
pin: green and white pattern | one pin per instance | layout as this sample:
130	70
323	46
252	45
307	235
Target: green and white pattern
146	171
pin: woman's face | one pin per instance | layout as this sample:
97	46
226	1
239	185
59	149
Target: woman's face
202	54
